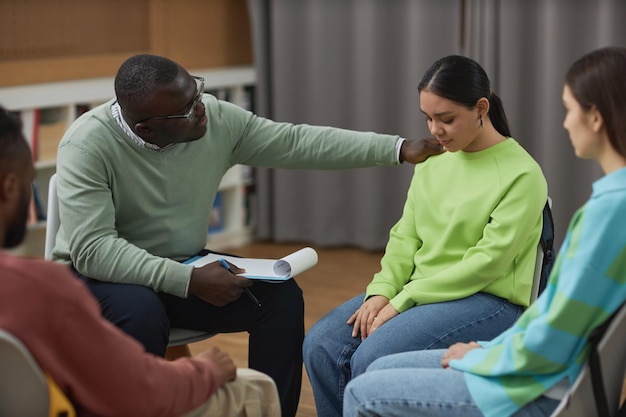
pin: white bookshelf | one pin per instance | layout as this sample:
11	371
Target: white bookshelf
64	97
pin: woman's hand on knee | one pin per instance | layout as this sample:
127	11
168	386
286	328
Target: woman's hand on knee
363	318
457	351
384	315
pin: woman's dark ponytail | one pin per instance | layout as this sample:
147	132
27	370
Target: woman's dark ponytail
497	115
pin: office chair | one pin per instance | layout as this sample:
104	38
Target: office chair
597	389
25	391
179	338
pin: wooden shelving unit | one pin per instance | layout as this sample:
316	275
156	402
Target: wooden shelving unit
65	97
59	56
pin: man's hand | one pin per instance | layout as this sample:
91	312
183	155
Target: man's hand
224	362
216	285
415	151
457	351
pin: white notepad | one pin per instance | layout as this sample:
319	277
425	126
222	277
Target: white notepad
265	269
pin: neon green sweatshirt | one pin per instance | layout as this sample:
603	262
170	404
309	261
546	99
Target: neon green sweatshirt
471	223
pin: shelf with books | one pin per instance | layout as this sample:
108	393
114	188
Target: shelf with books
47	110
227	227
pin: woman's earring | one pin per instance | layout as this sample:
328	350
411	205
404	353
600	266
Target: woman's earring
481	121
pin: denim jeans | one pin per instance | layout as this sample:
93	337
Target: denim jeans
332	356
415	384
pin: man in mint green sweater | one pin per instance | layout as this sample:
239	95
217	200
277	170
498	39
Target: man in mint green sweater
137	177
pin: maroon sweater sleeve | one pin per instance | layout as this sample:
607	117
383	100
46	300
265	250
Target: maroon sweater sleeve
103	371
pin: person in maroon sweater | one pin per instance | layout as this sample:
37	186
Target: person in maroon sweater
101	370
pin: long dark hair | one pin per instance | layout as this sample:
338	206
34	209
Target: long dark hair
463	80
598	79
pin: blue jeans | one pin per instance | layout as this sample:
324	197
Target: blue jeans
332	356
415	384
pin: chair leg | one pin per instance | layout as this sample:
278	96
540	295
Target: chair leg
175	352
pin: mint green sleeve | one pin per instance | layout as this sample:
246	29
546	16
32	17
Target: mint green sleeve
265	143
89	227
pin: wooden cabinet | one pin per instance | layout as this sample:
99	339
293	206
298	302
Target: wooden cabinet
45	41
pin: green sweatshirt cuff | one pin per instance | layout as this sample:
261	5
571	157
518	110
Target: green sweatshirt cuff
402	302
380	288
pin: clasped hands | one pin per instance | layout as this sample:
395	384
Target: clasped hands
372	314
376	311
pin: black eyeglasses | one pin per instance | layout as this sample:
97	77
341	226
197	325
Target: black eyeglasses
189	115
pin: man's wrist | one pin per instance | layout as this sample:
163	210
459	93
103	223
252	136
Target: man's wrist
399	143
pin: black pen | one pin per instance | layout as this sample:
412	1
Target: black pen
252	297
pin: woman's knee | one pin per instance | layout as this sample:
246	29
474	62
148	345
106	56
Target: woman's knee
413	359
366	353
329	341
312	340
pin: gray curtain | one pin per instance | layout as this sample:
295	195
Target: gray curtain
352	64
526	46
356	64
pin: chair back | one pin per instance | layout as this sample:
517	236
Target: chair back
537	277
53	221
547	239
23	386
611	349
